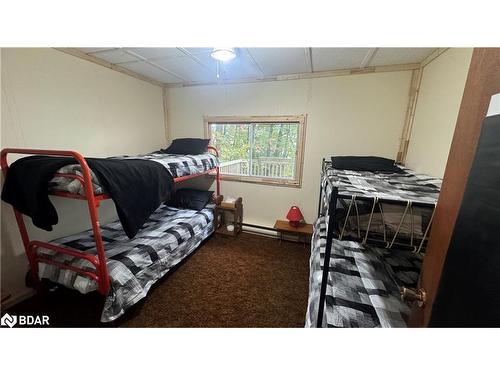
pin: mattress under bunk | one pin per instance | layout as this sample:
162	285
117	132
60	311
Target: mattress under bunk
404	205
134	265
177	165
363	288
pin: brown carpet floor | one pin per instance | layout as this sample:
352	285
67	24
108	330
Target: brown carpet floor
250	281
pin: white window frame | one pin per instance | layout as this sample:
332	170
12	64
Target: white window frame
299	153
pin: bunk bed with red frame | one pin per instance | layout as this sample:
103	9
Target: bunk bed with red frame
100	275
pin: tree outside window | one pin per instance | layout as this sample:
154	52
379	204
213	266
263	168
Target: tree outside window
259	149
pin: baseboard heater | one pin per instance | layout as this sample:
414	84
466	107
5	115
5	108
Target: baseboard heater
262	230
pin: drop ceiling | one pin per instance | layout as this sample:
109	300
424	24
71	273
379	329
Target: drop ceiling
195	65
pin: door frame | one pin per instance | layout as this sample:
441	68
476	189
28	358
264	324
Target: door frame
483	81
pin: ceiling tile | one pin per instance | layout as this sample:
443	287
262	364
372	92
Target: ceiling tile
95	49
151	71
205	58
116	56
337	58
156	53
276	61
196	64
240	68
199	51
188	68
390	56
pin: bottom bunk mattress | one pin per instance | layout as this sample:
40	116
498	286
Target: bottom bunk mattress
169	235
364	282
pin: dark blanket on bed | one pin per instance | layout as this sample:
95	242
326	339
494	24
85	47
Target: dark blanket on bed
137	187
365	163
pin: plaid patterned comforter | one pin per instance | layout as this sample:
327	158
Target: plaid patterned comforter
418	188
177	165
363	283
169	235
400	187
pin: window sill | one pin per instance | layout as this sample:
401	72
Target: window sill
262	180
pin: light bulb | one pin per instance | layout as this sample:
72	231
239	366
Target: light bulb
223	53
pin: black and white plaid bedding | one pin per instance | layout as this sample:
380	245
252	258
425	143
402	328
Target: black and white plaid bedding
363	283
169	235
420	189
177	165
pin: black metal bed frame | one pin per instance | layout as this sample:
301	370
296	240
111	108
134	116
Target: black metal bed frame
331	232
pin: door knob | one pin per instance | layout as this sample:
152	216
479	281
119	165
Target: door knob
412	295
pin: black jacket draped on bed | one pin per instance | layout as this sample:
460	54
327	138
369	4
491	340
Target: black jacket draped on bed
137	187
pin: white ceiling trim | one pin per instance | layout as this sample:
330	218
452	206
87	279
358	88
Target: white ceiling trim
435	54
182	78
254	63
322	74
368	57
309	60
136	55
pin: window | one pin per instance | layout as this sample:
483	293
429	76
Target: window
265	150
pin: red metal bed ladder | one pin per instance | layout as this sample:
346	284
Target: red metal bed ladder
100	275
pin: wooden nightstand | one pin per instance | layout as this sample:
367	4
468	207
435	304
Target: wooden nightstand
303	231
221	223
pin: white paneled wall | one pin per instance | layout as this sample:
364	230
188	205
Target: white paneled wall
56	101
349	115
439	99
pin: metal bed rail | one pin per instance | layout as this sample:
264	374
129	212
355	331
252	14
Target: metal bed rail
389	243
408	213
328	251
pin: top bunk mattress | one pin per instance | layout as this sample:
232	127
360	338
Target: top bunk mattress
177	165
391	217
407	186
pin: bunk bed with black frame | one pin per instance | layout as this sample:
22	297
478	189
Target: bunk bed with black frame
81	261
362	272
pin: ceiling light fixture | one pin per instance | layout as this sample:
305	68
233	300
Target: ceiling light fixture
223	54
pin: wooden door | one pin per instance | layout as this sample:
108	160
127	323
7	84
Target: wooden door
483	81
